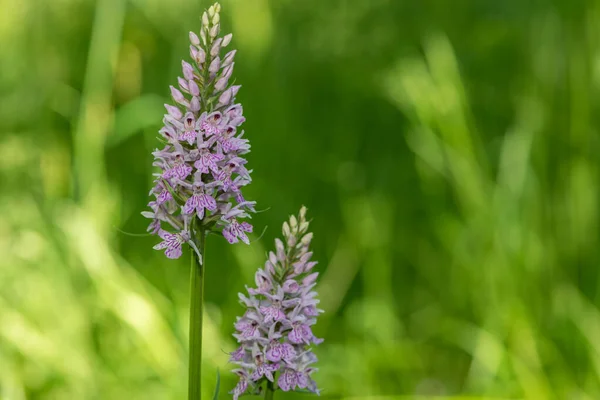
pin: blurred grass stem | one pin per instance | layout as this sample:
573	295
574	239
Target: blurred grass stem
196	309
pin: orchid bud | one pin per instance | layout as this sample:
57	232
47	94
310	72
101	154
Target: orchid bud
194	39
221	83
173	111
216	48
270	267
193	87
214	31
203	36
235	89
183	84
195	104
225	98
228	71
302	213
214	65
307	238
286	229
272	258
177	96
303	227
310	279
228	59
188	70
194	53
292	240
280	250
293	223
227	39
201	56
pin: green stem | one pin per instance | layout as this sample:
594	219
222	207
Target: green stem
270	391
196	306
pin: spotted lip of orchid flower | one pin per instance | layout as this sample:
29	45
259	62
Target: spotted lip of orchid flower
208	161
280	351
172	242
242	385
201	147
236	231
198	202
275	333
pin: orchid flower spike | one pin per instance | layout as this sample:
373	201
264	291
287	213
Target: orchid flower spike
274	333
202	164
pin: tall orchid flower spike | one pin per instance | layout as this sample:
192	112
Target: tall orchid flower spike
202	166
274	333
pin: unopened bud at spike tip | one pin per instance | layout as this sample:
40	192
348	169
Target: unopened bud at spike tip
182	84
194	39
310	278
303	227
303	213
291	242
214	65
195	104
193	88
221	83
280	248
228	59
201	57
235	89
216	48
173	111
293	223
225	98
214	31
216	19
205	21
203	36
228	71
307	238
194	53
286	229
227	39
177	96
188	70
272	258
270	268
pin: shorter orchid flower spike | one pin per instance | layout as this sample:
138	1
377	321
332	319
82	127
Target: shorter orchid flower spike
275	332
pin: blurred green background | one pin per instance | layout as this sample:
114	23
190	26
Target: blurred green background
447	152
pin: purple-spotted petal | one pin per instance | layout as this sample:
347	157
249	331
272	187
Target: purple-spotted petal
287	380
